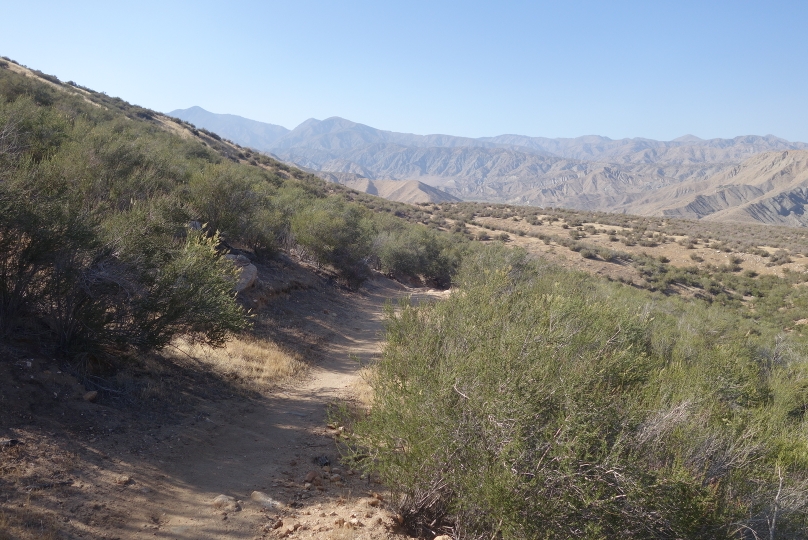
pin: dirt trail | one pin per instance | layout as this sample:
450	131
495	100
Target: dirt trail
266	445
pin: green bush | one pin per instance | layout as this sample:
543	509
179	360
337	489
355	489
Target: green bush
126	281
541	403
41	240
238	202
587	253
779	257
419	253
191	296
336	234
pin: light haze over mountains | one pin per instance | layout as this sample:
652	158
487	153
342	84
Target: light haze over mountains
746	178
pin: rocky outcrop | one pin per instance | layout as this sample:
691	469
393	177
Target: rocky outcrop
248	272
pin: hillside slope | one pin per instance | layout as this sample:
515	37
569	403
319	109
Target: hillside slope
119	230
768	188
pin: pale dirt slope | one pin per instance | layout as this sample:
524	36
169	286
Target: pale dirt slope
769	188
405	191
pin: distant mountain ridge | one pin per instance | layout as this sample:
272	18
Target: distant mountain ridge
246	132
592	172
337	134
686	149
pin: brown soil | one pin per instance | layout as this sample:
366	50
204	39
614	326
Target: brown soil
148	457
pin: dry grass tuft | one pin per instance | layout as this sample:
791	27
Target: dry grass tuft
25	524
361	389
257	363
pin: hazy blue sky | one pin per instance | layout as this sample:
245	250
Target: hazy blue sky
650	68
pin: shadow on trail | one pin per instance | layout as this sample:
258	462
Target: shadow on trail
150	459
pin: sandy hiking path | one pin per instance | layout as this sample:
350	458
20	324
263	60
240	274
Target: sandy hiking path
270	446
105	472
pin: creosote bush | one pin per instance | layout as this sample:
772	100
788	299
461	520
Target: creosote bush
541	403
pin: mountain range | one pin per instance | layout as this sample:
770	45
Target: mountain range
747	178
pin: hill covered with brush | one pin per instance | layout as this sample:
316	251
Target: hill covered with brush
114	221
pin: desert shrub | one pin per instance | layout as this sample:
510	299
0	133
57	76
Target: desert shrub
26	128
96	286
50	78
779	257
237	202
191	296
35	234
610	255
418	252
13	87
211	134
542	403
337	234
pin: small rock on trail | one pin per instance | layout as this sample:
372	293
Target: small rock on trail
265	501
226	503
